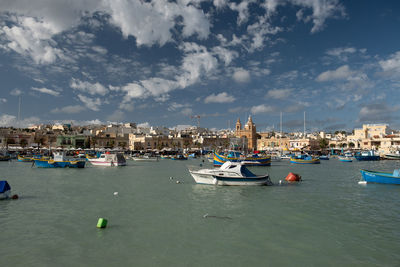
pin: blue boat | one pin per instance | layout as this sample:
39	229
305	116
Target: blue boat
235	156
324	157
304	159
5	190
367	156
59	161
381	177
345	159
179	157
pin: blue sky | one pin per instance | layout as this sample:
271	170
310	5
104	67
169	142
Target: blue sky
161	62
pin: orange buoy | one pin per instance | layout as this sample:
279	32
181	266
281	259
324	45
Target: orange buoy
293	177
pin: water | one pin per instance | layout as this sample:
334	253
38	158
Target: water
326	220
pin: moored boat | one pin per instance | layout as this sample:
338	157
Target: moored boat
345	159
108	159
304	159
367	156
395	155
5	190
58	161
381	177
24	158
230	173
234	156
179	157
324	157
144	158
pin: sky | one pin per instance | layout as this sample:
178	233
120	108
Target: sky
166	63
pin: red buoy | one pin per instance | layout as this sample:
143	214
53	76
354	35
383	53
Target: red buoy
14	196
293	177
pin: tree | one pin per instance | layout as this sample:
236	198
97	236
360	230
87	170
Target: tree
332	145
23	143
323	143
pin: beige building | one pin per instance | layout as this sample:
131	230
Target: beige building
249	132
267	142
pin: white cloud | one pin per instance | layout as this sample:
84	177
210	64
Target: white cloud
116	116
90	88
279	93
186	111
7	120
92	104
3	100
378	112
341	73
16	92
219	98
242	9
69	109
32	37
46	91
100	50
261	109
241	75
392	64
225	55
321	11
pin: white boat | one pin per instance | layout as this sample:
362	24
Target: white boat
145	158
230	173
393	155
108	159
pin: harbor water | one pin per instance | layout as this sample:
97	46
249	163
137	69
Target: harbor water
160	217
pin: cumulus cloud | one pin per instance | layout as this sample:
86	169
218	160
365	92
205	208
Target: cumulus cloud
341	73
392	64
73	109
7	120
87	87
261	109
16	92
144	125
90	103
377	113
46	91
3	100
241	75
219	98
279	93
116	116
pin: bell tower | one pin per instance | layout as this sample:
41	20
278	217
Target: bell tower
238	125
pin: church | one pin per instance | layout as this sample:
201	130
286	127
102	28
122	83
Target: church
249	132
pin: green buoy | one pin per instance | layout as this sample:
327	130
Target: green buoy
102	223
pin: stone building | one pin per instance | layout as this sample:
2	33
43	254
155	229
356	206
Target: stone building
248	132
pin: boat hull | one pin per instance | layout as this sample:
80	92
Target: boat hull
379	177
345	159
367	158
106	163
392	156
209	179
304	161
248	161
24	159
59	164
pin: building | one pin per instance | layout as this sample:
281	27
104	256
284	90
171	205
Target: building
248	132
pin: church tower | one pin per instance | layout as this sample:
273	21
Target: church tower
238	125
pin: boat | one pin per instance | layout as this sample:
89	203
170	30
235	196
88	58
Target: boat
145	157
179	157
5	190
324	157
230	173
5	157
58	161
24	158
345	159
304	159
367	156
108	159
235	156
394	155
381	177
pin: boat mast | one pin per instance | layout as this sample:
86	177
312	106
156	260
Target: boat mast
280	136
304	132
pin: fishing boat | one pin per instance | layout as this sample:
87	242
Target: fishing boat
367	156
108	159
394	155
381	177
145	157
24	158
345	159
5	190
230	173
58	161
235	156
5	157
179	157
304	159
324	157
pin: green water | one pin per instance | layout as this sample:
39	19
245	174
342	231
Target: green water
326	220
